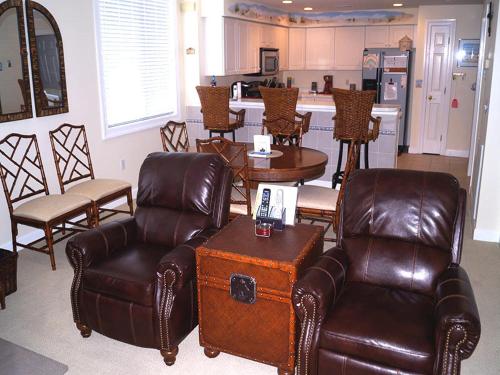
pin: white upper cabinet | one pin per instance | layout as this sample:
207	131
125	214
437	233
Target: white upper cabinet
387	36
231	46
349	46
320	44
396	33
282	34
253	38
296	49
269	36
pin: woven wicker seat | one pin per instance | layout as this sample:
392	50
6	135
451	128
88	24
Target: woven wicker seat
281	118
319	203
352	123
235	155
216	112
174	137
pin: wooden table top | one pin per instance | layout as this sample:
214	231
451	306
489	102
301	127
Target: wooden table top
296	163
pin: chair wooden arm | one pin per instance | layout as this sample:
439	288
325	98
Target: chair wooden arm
305	121
376	126
240	115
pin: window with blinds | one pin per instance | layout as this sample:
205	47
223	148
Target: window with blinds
138	62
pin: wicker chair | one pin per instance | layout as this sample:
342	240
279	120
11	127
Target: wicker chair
174	137
74	165
281	119
23	177
352	122
215	109
235	155
322	204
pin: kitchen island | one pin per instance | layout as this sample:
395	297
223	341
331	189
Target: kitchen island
382	153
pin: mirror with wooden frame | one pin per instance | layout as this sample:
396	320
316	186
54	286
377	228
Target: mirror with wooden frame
15	95
47	61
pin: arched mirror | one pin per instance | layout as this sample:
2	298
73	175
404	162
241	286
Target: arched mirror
15	96
47	61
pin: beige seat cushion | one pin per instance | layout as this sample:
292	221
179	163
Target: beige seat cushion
241	209
98	188
317	197
49	207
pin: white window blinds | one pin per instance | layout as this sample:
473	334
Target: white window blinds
136	41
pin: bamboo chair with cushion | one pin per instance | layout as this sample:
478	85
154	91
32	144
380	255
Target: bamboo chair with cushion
235	155
282	121
216	112
174	137
23	177
322	204
352	122
73	164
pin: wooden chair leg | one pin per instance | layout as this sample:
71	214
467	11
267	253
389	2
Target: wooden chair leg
95	209
366	156
13	225
63	228
169	355
50	245
130	202
2	297
84	330
90	217
337	174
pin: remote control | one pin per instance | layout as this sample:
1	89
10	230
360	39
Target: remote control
264	205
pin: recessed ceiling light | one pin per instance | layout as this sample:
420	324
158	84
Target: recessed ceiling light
397	5
308	8
287	1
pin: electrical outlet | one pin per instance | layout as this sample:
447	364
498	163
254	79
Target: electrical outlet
123	164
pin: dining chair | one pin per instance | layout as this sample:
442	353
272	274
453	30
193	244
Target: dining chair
174	137
23	177
352	122
73	164
235	155
216	112
318	203
282	121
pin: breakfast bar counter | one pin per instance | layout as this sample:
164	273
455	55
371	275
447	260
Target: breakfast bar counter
382	153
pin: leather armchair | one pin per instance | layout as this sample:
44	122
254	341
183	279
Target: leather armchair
391	298
135	279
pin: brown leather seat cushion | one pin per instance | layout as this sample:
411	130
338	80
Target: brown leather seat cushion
382	325
127	274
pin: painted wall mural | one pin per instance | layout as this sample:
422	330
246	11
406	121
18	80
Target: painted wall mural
361	17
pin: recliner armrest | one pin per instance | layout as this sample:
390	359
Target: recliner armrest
458	327
179	264
323	281
98	243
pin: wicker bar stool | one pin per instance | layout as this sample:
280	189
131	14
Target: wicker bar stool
352	123
215	109
282	120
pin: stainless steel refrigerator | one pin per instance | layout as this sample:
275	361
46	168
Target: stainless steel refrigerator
387	71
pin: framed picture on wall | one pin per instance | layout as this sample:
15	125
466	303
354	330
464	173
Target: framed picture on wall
468	53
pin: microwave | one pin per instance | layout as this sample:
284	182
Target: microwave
269	61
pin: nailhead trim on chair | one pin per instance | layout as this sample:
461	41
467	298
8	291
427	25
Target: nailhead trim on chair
306	340
457	348
75	286
167	300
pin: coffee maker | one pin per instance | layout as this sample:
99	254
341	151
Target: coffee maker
328	84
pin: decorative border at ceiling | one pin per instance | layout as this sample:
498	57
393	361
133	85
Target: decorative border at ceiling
360	17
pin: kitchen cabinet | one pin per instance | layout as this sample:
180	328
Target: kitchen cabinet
349	46
241	47
387	36
296	49
320	48
253	49
269	36
282	45
231	46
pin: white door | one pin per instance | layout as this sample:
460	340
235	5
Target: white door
438	66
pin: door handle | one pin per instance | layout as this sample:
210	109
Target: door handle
429	97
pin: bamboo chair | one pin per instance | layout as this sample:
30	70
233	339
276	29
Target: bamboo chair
74	165
322	204
235	155
216	112
23	177
282	121
174	137
352	122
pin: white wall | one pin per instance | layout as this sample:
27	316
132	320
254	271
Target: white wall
76	22
468	26
487	225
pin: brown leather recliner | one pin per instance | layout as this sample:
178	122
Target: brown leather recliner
391	298
135	279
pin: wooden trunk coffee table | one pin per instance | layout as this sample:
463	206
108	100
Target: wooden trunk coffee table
244	290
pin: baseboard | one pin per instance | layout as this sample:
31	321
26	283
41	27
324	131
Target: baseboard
457	153
37	233
486	235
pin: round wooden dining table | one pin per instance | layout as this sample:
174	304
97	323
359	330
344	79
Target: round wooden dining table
296	163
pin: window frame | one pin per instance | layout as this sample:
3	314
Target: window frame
109	132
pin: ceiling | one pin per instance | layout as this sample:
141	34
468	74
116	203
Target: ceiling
346	5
